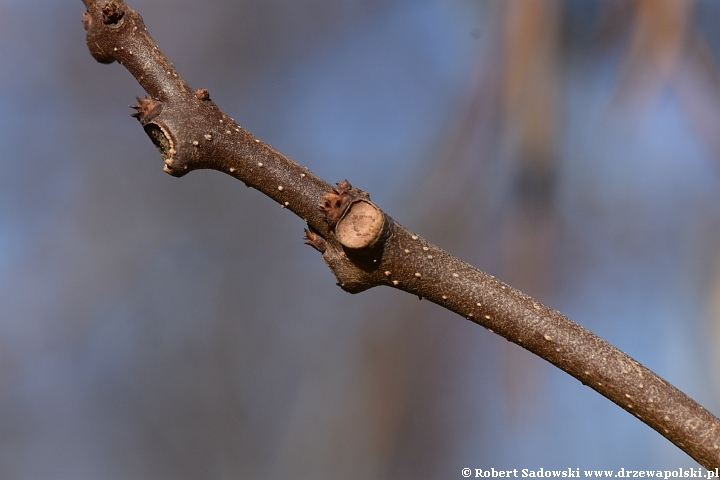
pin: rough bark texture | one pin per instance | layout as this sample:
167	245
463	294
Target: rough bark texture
365	248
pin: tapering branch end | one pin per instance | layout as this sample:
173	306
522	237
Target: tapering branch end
101	21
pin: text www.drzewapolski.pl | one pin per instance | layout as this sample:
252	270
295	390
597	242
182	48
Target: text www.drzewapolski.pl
577	473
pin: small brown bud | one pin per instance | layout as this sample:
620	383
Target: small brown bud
86	21
337	201
315	241
147	109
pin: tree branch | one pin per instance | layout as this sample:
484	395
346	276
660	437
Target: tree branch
365	248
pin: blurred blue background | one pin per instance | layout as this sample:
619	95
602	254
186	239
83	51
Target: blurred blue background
156	328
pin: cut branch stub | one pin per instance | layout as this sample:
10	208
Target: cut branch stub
361	225
358	223
355	246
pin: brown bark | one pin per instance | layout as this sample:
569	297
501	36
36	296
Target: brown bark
366	248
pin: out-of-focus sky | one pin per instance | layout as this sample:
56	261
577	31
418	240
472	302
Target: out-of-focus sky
153	327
